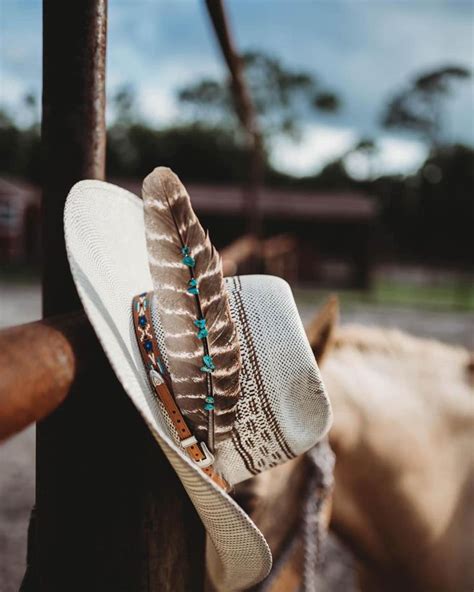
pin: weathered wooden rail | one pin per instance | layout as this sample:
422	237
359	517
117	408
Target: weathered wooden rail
277	255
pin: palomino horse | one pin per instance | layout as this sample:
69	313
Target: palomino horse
403	437
402	433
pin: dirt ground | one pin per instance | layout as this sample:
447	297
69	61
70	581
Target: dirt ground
21	303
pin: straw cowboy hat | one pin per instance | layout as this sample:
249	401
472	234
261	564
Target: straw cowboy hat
220	369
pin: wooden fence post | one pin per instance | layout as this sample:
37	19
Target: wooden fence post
110	512
246	113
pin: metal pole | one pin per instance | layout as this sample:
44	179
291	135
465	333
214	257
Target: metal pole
58	349
110	512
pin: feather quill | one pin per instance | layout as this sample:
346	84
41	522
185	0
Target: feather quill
172	229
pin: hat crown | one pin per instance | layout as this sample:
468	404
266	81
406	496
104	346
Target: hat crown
282	410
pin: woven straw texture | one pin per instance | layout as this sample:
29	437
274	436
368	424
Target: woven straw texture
283	409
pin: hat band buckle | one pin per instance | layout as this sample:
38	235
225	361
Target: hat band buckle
208	459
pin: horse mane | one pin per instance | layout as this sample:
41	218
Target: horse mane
388	341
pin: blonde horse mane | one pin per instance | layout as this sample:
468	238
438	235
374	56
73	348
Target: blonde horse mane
384	340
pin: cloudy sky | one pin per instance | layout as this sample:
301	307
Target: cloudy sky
363	49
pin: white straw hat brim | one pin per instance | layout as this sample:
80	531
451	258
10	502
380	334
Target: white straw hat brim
105	241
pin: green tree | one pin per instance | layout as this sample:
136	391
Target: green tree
420	106
30	102
199	153
124	106
19	149
281	95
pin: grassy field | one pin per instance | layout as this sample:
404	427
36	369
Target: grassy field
447	295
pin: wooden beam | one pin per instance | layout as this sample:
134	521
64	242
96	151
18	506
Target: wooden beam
245	111
243	101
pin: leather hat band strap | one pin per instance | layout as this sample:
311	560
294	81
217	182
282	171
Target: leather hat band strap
161	384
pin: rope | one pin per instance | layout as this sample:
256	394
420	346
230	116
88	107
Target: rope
310	533
320	484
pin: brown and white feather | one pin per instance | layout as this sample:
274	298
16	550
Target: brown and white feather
170	224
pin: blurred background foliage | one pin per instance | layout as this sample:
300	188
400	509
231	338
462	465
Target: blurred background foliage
427	216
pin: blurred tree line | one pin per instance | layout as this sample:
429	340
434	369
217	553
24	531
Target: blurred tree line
427	216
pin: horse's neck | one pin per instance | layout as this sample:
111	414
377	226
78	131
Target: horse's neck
378	377
403	419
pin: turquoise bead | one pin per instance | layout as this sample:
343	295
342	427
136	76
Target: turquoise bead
193	287
203	333
189	261
209	399
209	407
185	250
208	362
200	323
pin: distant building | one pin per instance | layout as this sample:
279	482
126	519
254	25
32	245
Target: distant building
19	222
333	232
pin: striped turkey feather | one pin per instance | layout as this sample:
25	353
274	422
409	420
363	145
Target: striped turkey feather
173	232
